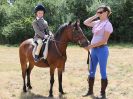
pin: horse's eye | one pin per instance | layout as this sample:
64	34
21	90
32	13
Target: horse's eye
75	31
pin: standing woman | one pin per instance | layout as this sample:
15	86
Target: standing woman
101	28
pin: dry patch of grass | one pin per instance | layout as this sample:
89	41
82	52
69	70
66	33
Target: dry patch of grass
120	71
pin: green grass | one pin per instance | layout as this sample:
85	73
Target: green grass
120	71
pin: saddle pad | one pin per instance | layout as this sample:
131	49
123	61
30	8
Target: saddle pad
44	49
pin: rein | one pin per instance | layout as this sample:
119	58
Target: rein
57	49
55	43
53	39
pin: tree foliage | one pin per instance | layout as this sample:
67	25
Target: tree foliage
16	19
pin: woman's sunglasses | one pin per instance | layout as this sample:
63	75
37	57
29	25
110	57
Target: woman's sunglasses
100	12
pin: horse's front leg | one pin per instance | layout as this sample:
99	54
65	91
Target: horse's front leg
51	81
60	70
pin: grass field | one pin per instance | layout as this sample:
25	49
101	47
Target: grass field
120	74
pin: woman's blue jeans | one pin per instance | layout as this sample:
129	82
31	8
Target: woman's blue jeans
99	55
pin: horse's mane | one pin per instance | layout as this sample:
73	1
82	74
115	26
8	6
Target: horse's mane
61	29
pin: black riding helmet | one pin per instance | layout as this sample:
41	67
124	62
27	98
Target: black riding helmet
39	8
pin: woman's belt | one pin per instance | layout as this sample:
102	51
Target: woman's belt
101	46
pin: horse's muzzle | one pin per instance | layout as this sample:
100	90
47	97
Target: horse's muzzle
83	43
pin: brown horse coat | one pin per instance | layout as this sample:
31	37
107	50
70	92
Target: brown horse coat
56	54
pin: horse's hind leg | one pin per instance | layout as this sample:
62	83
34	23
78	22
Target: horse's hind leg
52	69
23	63
60	70
28	75
24	67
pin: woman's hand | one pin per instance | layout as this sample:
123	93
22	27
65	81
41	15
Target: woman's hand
88	47
89	22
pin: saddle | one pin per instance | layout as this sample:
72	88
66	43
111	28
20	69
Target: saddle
44	50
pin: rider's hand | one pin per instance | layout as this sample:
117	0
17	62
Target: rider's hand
46	36
51	34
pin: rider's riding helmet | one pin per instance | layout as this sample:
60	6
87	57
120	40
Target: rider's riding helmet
39	7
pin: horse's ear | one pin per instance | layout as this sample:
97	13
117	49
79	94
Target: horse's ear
78	22
70	23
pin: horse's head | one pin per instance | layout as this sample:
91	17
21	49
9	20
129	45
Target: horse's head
76	34
72	32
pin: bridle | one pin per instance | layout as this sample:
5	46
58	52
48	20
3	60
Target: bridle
75	35
75	31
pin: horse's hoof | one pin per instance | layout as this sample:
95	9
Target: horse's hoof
62	93
24	90
50	96
30	87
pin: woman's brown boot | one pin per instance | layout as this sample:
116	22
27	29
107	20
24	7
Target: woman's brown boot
104	83
90	86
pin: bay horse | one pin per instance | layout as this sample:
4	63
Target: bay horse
68	32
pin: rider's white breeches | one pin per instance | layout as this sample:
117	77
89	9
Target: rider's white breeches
40	43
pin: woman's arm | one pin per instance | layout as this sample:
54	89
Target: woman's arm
89	22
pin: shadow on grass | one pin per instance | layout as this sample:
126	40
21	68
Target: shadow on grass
95	97
31	95
92	97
